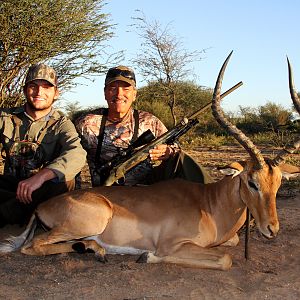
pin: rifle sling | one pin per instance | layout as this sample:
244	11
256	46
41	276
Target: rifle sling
102	128
136	125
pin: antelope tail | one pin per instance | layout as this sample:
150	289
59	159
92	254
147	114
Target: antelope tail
14	243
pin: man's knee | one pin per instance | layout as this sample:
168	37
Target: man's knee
183	166
14	212
8	183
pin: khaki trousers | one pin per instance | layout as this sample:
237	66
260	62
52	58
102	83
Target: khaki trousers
181	166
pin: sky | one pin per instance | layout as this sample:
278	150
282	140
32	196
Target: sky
261	33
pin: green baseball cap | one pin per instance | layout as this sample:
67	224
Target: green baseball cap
42	72
121	73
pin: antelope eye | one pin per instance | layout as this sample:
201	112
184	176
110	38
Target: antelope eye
252	185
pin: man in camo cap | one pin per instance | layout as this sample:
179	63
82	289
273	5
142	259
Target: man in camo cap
41	148
105	132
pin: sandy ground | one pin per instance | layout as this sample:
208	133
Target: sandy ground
272	272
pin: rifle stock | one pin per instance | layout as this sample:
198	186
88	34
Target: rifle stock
118	171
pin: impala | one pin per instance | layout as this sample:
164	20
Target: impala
174	221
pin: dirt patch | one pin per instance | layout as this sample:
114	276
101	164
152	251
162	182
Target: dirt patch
271	273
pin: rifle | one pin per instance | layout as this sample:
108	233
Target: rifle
119	166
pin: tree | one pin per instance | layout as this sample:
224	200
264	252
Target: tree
71	108
249	120
190	98
274	115
264	118
163	59
68	34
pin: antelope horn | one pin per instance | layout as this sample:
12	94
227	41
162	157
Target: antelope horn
293	92
229	127
280	158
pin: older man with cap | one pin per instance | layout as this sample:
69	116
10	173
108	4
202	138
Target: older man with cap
41	148
106	132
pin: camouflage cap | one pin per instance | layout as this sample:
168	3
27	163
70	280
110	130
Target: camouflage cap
121	73
43	72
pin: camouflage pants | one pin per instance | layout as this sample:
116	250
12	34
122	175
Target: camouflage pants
12	211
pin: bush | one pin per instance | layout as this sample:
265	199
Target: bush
158	109
210	140
275	139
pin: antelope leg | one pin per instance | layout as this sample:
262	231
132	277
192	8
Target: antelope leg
191	255
54	242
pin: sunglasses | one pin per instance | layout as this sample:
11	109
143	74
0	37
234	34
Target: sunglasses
112	73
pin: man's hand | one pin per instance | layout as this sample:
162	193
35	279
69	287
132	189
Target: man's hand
161	152
28	186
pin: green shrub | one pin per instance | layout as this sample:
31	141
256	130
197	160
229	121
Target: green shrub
210	140
275	139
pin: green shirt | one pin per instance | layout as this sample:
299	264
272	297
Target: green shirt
63	153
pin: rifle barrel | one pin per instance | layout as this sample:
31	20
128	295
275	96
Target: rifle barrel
231	89
208	105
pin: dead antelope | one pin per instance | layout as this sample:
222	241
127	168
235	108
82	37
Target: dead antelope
174	221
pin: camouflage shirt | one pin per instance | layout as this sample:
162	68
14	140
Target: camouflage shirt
117	136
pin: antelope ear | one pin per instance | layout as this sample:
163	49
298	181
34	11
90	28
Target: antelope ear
232	169
288	171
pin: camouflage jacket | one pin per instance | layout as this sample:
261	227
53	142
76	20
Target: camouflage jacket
60	147
116	136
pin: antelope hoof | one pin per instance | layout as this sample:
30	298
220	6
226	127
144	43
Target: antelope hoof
225	262
101	258
143	258
79	247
